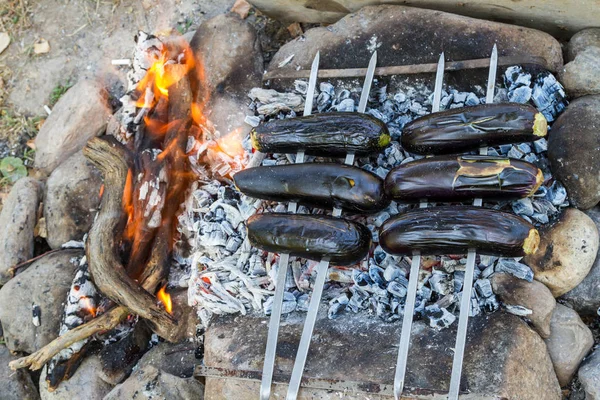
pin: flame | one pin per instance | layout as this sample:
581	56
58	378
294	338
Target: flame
88	305
165	299
231	144
101	191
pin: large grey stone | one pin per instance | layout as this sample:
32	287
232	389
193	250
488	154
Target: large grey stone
573	149
79	115
14	385
405	35
228	64
585	297
45	284
17	221
150	383
581	41
569	342
589	376
72	199
566	252
581	76
504	357
532	295
85	384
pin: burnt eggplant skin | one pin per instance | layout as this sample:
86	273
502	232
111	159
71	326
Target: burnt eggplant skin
322	185
468	128
327	135
458	178
454	230
314	237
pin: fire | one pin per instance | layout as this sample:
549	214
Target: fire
231	144
165	299
87	305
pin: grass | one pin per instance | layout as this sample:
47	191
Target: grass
13	15
183	28
58	91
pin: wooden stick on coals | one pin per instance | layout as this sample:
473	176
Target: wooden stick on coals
465	301
409	305
313	307
269	364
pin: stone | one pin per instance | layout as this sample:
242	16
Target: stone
150	383
589	376
229	56
80	114
566	252
176	359
504	357
72	199
581	41
585	297
186	316
18	219
581	77
569	342
406	35
534	296
15	385
45	283
573	149
84	384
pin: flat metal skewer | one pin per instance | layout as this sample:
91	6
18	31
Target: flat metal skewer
313	307
409	306
465	301
269	364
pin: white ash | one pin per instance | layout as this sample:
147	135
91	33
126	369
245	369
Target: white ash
228	275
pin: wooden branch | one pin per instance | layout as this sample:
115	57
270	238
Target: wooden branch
108	273
408	69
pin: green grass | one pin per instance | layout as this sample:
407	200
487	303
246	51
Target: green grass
183	28
58	92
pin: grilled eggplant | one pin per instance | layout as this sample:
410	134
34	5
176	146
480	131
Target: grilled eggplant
455	230
462	129
314	237
457	178
330	135
322	185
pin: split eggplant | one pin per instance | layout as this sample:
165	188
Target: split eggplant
322	185
328	135
455	230
314	237
468	128
458	178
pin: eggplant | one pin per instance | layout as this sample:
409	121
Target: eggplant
455	230
329	135
314	237
468	128
322	185
452	178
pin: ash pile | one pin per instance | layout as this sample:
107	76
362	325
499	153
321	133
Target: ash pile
228	275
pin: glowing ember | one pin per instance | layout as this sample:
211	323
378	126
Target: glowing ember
87	305
165	299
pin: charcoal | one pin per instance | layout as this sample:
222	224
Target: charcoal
541	218
289	304
438	318
301	86
342	95
447	300
396	289
346	105
326	87
514	268
544	206
378	95
448	264
475	307
532	158
484	287
524	148
392	272
488	260
376	275
523	207
487	272
460	97
459	280
557	194
515	152
403	120
472	100
493	152
360	278
540	145
521	95
549	96
382	172
424	292
378	114
445	102
501	96
491	303
505	148
323	101
440	283
518	310
417	108
515	77
337	305
399	97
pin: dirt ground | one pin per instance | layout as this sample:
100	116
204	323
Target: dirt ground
83	37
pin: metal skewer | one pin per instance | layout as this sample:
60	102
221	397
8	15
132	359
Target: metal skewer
269	364
313	307
465	301
409	307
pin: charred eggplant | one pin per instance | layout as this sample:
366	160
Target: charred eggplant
462	129
323	185
457	178
454	230
341	241
330	134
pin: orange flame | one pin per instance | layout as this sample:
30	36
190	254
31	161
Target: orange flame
88	306
165	299
101	191
231	144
